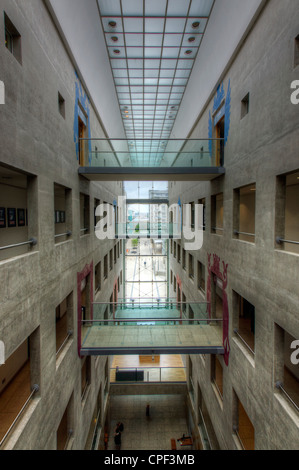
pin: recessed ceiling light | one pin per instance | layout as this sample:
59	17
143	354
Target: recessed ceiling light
114	38
191	39
116	51
195	24
188	52
112	24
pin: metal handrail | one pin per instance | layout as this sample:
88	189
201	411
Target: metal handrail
149	301
148	369
279	385
35	389
217	388
218	228
157	320
95	429
282	240
243	340
69	335
69	436
149	140
32	242
67	234
236	232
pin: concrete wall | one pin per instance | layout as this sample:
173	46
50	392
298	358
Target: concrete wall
37	140
261	146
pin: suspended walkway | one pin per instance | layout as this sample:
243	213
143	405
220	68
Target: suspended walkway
150	328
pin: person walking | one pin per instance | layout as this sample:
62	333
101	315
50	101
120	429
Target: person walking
117	439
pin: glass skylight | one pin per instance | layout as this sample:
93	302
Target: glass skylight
152	46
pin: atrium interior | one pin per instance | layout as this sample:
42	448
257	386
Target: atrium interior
149	229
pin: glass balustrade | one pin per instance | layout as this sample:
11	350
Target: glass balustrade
145	229
181	153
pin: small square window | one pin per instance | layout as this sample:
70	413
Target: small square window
296	52
61	105
245	106
12	39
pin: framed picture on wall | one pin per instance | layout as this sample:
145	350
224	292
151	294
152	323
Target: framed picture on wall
11	217
2	217
62	217
21	217
57	217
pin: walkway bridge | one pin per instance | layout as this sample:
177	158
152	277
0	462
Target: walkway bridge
151	159
150	327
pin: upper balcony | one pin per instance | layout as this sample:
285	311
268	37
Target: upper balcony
165	160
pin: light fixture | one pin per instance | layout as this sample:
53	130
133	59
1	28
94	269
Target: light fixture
191	39
114	39
116	51
188	52
195	24
112	24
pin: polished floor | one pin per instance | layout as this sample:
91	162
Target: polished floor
167	421
165	368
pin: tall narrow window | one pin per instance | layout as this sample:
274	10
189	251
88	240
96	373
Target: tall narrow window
84	214
245	106
62	213
219	134
191	267
287	212
201	284
61	105
82	143
244	319
217	375
98	278
203	203
286	374
217	214
296	52
243	427
12	39
105	267
244	213
64	323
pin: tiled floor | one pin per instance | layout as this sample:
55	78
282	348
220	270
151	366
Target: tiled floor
167	421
